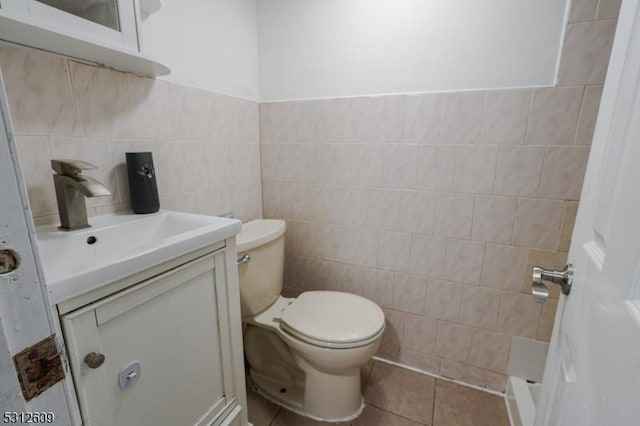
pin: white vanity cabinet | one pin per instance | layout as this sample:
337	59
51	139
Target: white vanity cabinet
170	344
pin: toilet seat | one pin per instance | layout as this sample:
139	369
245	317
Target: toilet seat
333	319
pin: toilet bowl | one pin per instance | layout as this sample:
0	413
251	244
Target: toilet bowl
304	353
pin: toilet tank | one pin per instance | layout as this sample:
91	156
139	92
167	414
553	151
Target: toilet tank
261	277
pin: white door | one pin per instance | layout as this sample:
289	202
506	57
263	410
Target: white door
592	376
25	313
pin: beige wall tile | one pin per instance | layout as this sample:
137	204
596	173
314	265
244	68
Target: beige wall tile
554	114
347	278
463	372
296	272
505	119
568	222
479	307
235	120
583	10
475	169
463	262
419	333
519	169
519	315
409	293
378	286
563	172
378	119
436	165
399	167
454	215
608	9
173	160
366	165
493	219
586	51
150	107
389	352
39	92
538	223
395	327
462	117
35	161
336	162
421	361
443	300
394	251
382	208
308	239
277	121
102	100
191	113
588	115
417	211
355	246
503	267
422	118
454	341
496	381
490	350
427	255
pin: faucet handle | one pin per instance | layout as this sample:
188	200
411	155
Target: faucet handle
71	167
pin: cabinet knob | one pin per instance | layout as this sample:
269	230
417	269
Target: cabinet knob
94	360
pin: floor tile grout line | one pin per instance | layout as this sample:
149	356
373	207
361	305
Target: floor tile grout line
394	414
275	416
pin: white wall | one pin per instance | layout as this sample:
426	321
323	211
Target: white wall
329	48
210	44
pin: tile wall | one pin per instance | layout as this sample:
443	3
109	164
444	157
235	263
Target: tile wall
436	206
205	146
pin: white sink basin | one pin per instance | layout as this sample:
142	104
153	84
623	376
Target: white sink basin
125	244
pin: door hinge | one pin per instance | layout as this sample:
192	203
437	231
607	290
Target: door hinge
39	367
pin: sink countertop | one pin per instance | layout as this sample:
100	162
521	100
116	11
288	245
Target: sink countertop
125	244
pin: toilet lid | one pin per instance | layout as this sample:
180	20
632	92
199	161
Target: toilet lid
332	318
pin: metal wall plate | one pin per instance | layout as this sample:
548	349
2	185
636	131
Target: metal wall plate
39	367
129	374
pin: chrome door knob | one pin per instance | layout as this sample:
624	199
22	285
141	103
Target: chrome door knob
94	360
563	278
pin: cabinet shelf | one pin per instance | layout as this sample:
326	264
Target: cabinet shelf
43	37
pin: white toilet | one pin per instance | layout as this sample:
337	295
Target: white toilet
304	353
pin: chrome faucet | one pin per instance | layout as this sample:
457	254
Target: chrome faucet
71	189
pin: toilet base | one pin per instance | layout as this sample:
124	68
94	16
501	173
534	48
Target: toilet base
294	400
285	377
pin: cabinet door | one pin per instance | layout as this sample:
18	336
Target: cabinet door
171	326
110	21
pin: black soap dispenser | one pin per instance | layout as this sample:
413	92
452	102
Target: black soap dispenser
143	187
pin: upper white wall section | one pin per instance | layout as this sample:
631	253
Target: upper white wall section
210	44
332	48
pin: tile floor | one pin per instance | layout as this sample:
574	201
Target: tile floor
399	397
